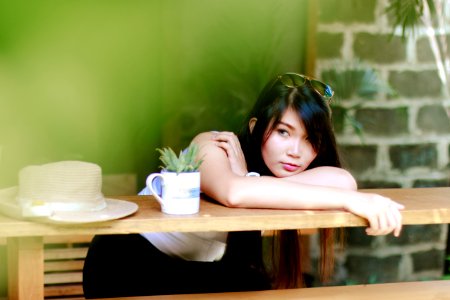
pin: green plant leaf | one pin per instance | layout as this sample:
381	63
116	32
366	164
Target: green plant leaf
355	80
186	161
407	14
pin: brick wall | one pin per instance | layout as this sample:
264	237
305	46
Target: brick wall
406	137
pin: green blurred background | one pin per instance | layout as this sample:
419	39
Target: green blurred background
110	81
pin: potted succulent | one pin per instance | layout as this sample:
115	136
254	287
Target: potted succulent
186	162
178	187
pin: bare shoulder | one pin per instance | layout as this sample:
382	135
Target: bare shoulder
208	145
203	137
206	142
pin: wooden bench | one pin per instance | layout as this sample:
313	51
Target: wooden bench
64	259
423	290
63	266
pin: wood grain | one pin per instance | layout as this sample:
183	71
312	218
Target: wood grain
424	290
25	268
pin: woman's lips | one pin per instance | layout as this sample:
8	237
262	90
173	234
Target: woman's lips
290	167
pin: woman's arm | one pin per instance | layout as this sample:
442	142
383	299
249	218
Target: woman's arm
220	182
323	176
326	176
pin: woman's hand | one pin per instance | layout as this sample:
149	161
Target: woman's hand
383	214
229	142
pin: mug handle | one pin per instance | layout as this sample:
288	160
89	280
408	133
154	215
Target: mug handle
150	186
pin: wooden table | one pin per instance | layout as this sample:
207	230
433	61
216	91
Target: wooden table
25	239
422	290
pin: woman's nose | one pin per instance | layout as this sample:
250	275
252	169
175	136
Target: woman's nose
294	149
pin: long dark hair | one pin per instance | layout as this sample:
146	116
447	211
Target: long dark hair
314	111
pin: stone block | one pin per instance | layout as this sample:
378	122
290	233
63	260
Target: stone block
407	156
428	260
383	121
354	82
423	48
329	45
416	84
364	269
347	12
415	234
379	48
358	158
433	118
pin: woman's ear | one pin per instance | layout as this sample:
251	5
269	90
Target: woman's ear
251	124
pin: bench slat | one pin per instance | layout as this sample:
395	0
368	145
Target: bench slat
65	253
54	266
66	277
65	290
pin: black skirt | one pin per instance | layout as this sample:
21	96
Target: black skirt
129	265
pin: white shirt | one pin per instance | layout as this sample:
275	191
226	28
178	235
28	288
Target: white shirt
191	246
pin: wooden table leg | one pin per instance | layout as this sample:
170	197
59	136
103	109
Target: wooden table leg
25	268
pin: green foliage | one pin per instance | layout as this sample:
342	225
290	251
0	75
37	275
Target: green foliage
408	13
355	81
186	162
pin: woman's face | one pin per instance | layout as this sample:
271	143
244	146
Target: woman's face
287	150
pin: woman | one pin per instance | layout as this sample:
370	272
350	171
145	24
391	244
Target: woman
289	138
284	158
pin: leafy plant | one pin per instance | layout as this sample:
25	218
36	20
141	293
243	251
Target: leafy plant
408	13
186	162
355	81
432	17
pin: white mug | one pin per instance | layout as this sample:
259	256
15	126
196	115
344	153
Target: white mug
178	194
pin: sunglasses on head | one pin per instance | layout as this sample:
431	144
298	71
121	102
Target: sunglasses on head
293	80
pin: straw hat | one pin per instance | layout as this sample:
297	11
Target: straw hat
62	192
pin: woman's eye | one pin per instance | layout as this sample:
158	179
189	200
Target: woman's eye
283	132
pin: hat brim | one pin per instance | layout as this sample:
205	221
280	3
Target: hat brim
115	209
